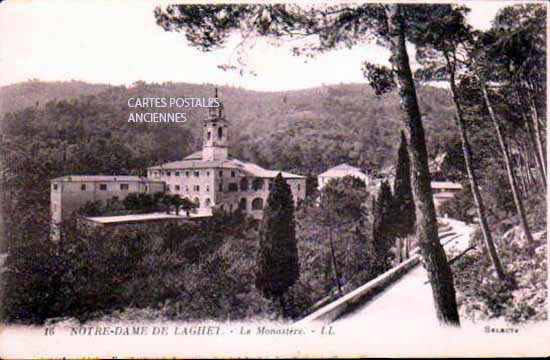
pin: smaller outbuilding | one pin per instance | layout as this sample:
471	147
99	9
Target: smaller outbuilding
341	171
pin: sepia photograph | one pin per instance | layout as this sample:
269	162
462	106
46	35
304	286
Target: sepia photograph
296	179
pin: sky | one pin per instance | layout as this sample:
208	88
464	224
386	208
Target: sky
119	43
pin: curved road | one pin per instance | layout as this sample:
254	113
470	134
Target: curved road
409	300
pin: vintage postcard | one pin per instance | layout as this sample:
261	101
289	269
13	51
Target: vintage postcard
267	179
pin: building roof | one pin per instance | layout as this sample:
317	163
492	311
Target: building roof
343	170
197	155
259	171
146	217
192	162
446	185
101	178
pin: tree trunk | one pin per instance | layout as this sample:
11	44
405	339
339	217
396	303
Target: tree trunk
527	156
434	258
399	248
518	168
523	167
282	305
478	200
505	153
532	143
535	118
333	260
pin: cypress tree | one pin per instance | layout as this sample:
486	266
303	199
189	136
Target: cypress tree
404	216
311	184
383	233
277	266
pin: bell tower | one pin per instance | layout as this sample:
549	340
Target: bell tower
215	134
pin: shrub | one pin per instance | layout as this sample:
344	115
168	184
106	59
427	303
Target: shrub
460	207
481	295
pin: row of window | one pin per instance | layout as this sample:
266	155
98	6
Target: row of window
257	184
102	187
231	187
196	173
196	188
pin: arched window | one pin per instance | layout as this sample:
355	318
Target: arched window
242	204
244	184
197	202
230	208
208	136
257	204
207	202
220	132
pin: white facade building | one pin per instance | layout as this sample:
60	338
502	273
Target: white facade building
341	171
211	177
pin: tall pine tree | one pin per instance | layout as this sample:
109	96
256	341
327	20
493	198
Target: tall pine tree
277	266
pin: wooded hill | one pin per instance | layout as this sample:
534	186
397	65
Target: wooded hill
305	131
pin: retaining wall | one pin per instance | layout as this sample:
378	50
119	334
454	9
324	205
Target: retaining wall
363	293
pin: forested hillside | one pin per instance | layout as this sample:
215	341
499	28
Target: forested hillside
35	93
305	131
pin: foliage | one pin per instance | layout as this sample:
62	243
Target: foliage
92	208
191	272
342	209
31	277
351	239
138	202
460	207
383	227
403	204
482	296
277	266
311	185
342	201
380	78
